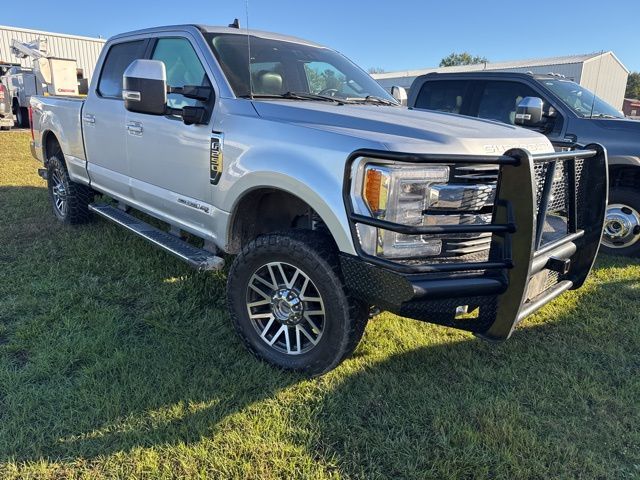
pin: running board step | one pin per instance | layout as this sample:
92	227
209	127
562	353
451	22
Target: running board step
194	256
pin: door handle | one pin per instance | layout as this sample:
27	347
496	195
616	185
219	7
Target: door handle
134	128
88	118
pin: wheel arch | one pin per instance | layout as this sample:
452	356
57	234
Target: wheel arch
271	208
624	174
49	144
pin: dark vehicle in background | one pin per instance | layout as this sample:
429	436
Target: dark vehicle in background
570	114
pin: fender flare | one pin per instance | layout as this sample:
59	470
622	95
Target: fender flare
330	208
624	160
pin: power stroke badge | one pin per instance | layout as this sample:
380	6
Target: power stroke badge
216	157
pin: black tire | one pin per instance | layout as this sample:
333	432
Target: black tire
344	320
23	117
630	198
77	197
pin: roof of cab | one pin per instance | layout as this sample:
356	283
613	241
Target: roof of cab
218	29
493	74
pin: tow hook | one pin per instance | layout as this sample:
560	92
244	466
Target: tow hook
43	173
560	265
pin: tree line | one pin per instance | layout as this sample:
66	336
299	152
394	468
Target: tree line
633	86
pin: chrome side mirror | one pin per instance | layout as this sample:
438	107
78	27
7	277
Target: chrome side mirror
400	94
529	112
145	87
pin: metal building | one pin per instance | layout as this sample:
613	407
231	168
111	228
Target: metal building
602	73
85	50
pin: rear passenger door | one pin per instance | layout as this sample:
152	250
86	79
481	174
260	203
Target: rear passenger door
103	121
450	96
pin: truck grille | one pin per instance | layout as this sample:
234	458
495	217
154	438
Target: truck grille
475	247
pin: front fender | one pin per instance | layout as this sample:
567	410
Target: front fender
626	160
318	183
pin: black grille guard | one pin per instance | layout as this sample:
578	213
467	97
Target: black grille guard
498	286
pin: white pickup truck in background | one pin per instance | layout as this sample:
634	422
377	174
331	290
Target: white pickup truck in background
332	197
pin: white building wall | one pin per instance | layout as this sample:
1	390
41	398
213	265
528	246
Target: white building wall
607	78
602	74
84	50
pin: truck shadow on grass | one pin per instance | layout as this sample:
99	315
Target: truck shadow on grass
107	345
558	400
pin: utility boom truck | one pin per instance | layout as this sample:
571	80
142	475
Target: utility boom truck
332	197
49	76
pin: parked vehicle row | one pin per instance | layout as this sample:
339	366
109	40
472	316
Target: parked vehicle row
569	113
49	76
332	197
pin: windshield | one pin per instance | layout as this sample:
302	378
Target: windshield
581	100
279	68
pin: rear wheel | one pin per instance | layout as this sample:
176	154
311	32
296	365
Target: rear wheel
289	305
622	225
22	117
69	200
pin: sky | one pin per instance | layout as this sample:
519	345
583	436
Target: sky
411	34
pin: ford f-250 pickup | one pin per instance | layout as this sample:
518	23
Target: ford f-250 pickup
333	198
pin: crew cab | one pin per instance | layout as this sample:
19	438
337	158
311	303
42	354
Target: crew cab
571	113
333	198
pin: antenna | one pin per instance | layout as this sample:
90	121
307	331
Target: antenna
595	90
246	10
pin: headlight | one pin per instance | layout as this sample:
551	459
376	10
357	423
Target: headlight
398	194
419	195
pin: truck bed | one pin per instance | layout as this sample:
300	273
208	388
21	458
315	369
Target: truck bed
62	116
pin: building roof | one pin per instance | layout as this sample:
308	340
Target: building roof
51	34
536	62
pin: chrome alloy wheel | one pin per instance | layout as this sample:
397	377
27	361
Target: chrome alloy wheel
621	226
285	308
59	191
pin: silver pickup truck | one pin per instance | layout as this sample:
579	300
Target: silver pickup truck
335	200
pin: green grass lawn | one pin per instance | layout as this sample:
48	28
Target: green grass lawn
118	361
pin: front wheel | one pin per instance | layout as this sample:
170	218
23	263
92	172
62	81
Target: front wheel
622	225
289	304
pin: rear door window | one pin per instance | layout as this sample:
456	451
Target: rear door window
443	96
118	59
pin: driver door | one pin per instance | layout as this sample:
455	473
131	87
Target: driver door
168	160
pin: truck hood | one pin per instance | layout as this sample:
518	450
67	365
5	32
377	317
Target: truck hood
622	125
621	137
402	129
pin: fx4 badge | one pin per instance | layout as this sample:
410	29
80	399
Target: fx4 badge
216	157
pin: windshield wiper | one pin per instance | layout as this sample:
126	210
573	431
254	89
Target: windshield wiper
603	115
374	99
298	96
